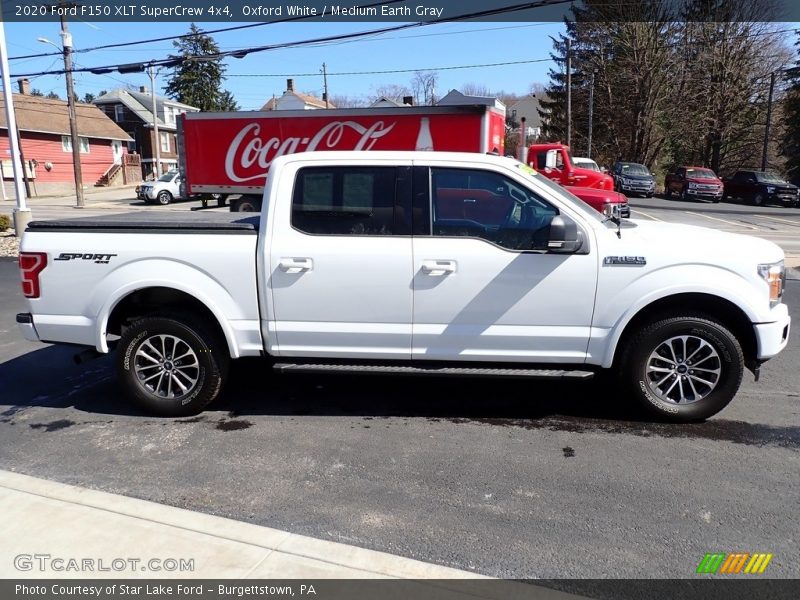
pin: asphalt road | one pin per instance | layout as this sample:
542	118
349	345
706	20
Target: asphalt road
508	479
775	223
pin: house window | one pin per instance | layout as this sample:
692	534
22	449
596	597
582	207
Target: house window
119	113
66	144
164	141
170	113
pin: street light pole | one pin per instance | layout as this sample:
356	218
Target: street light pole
22	214
156	140
66	38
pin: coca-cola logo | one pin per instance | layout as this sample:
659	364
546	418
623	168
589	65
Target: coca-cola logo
248	149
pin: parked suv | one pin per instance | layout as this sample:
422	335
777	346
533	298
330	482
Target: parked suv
633	178
163	190
693	182
760	187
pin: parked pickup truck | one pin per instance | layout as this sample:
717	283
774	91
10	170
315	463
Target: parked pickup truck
693	182
410	262
761	187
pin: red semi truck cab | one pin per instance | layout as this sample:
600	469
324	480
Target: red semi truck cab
555	162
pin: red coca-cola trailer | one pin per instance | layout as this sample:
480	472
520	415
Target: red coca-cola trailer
230	153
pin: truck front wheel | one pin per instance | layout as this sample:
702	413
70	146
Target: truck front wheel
170	366
684	368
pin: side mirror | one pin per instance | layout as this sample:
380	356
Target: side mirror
612	211
563	238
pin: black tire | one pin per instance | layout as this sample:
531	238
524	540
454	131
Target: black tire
246	204
667	191
160	336
758	200
719	350
164	197
221	199
650	195
685	195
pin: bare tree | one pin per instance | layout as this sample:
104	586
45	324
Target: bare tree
344	101
475	89
423	84
392	91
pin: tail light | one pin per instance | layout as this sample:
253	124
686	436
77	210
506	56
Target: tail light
30	265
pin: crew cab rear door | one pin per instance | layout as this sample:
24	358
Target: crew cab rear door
486	288
340	265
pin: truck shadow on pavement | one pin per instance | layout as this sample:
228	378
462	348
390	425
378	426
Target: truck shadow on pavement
74	392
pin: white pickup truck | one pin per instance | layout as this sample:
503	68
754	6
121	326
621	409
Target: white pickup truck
406	262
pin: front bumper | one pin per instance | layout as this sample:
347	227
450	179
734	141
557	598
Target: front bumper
26	327
637	188
148	194
773	337
783	198
704	194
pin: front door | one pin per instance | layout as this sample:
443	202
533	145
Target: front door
485	288
340	276
116	151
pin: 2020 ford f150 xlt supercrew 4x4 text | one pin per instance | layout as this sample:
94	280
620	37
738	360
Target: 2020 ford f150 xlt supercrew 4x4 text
413	262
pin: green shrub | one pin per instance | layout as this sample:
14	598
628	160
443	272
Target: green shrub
5	222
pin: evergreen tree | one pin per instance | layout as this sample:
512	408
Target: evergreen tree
199	82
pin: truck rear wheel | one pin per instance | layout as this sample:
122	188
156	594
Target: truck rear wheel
683	369
171	366
246	204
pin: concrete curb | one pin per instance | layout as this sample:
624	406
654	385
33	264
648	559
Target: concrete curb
69	521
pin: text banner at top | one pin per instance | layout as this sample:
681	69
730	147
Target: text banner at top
391	11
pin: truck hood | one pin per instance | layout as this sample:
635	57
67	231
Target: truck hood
689	243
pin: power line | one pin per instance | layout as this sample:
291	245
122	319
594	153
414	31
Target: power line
388	71
188	35
241	53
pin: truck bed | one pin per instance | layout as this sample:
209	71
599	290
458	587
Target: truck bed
184	222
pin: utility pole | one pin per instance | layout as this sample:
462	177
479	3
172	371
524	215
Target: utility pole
325	85
22	214
569	91
66	42
769	118
591	114
156	140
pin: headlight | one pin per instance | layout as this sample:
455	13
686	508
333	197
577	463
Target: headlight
692	185
770	189
775	276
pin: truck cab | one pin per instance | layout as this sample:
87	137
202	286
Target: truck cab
554	161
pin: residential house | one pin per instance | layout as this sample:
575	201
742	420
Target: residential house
384	102
133	112
46	145
456	98
291	100
527	107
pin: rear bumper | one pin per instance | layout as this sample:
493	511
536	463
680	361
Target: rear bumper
773	337
26	327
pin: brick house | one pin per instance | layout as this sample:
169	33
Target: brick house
46	145
133	112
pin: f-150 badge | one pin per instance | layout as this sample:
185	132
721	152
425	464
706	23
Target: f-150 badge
624	260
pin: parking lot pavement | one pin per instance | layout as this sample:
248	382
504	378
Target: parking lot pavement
503	479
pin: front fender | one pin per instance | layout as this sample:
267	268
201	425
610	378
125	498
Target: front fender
619	301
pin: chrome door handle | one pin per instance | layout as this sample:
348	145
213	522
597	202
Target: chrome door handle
296	265
438	268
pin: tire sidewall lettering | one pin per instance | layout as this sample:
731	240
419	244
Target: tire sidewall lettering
134	345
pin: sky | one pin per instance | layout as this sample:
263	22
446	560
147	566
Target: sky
254	79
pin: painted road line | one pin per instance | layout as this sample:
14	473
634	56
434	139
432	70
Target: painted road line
644	214
794	223
734	223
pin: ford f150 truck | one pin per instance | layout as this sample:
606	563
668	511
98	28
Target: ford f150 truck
410	262
693	182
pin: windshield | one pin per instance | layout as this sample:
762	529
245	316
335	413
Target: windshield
168	176
769	177
634	169
560	191
700	173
